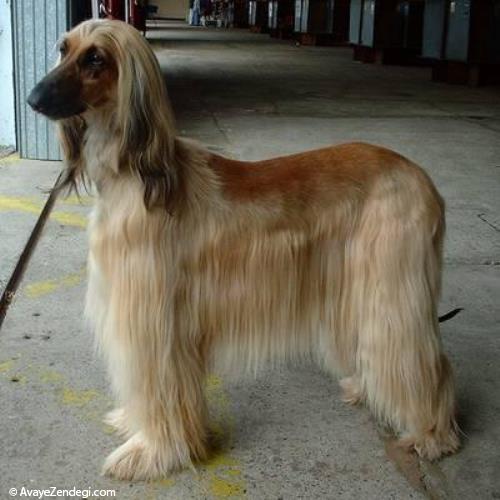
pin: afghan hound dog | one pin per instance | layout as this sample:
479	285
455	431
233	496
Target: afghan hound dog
199	262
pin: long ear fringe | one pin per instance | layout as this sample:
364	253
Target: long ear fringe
71	131
147	125
144	121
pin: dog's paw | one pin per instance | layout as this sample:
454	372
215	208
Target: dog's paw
134	461
351	390
430	446
117	419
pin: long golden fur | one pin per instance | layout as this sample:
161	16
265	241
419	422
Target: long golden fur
198	263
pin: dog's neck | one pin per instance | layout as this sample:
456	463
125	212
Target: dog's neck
101	147
196	184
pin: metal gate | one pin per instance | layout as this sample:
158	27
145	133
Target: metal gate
37	26
434	18
355	21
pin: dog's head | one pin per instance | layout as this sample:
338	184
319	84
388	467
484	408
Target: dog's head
107	74
85	77
101	63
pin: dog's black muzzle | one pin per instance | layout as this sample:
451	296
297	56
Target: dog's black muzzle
57	96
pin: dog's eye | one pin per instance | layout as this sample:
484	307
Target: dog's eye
63	49
94	59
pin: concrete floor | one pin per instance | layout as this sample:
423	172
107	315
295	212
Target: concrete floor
287	435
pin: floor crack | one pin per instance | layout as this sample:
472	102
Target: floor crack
484	219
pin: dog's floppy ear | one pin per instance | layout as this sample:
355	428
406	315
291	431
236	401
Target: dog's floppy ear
146	124
71	131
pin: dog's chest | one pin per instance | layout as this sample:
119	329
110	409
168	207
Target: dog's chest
101	157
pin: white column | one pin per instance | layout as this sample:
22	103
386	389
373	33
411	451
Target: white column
7	112
95	9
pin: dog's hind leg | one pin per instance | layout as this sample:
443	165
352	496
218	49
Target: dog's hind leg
404	376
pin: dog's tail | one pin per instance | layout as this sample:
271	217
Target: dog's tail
449	315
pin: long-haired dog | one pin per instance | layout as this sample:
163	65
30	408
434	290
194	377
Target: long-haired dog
199	262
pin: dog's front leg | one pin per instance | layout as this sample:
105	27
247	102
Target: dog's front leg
163	403
157	374
169	419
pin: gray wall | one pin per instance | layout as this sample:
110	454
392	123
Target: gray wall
37	26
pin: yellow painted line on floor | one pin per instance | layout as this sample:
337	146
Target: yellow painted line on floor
69	219
76	398
223	472
89	404
10	159
36	290
50	376
16	204
8	203
154	488
5	366
41	288
166	482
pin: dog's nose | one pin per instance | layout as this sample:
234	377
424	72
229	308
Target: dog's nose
35	99
39	96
